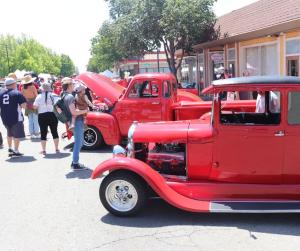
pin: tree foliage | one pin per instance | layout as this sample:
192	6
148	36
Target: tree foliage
25	53
67	66
139	26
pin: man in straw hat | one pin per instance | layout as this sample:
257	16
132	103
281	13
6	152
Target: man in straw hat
11	102
69	100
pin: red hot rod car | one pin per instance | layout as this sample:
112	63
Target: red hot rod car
234	162
148	98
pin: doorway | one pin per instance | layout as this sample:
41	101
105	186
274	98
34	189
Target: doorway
292	66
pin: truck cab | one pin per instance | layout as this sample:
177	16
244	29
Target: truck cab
148	97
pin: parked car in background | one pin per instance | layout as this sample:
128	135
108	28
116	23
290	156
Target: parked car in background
238	161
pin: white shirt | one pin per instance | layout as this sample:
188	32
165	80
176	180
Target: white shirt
274	105
45	106
20	114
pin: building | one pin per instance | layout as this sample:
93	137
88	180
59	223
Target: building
262	38
150	62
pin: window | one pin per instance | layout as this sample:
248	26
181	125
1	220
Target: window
261	60
294	108
167	89
188	70
201	70
231	62
231	54
266	111
146	89
293	47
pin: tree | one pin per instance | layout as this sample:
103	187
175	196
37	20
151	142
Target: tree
104	51
67	66
115	40
185	23
25	53
143	25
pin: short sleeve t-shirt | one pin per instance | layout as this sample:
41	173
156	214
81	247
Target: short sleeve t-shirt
70	99
10	101
45	104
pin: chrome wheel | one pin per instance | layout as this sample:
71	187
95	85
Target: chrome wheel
121	195
90	137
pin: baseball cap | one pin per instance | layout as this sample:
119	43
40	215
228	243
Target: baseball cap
9	81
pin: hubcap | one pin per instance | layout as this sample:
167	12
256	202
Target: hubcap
121	195
90	137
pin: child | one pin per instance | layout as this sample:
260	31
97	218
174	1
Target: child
81	101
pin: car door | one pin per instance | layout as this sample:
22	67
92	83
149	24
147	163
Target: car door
291	170
142	103
249	150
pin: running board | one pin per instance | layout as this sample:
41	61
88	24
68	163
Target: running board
255	207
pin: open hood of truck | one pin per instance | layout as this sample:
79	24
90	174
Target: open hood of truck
187	96
161	132
102	86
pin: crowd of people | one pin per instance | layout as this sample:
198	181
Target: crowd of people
39	103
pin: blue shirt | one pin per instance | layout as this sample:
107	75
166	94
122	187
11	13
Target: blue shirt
10	101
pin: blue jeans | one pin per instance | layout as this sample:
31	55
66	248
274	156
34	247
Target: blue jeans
78	138
33	123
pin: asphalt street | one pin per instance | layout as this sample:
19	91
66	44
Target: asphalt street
46	206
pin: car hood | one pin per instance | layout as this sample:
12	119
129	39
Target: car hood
187	96
102	86
161	132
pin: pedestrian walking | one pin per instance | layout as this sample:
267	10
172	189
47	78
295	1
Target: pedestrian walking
11	102
69	101
30	93
46	118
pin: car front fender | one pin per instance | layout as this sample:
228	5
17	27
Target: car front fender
156	181
107	125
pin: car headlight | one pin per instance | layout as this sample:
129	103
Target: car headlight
130	145
119	151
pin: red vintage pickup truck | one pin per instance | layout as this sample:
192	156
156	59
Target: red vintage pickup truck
148	98
237	162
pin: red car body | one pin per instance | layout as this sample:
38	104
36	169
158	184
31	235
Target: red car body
235	161
125	106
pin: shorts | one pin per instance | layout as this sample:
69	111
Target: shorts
16	131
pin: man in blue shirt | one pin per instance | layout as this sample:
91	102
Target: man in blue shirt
11	104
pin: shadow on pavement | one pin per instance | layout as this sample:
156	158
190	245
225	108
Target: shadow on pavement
104	149
57	155
69	146
159	214
82	174
35	140
21	159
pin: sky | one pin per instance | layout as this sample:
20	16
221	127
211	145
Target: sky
67	26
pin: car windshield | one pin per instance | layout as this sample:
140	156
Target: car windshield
254	108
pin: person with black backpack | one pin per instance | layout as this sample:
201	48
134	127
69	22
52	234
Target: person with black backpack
44	103
69	105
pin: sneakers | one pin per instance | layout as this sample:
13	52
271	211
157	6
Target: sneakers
12	153
78	167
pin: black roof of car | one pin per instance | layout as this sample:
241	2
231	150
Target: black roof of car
257	80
